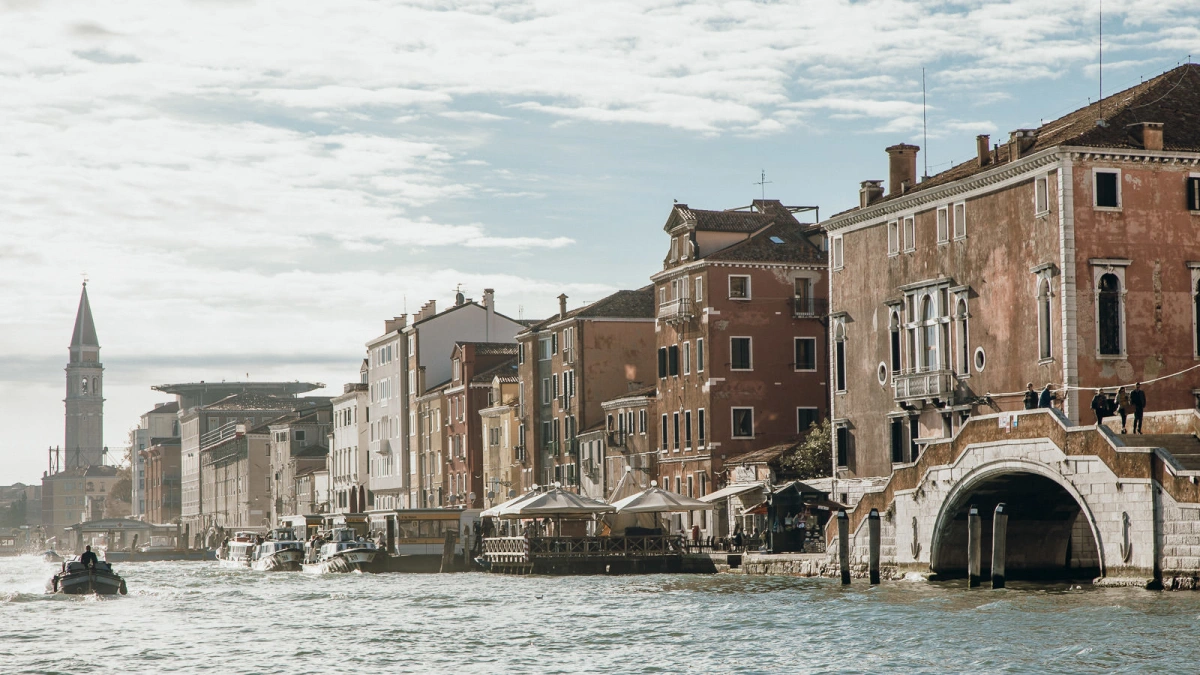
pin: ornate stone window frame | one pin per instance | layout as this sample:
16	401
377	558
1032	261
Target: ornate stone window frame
1116	267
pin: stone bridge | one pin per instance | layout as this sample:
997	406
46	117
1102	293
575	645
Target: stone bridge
1081	503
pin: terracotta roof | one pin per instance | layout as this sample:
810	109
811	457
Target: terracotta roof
507	369
762	455
644	391
781	242
636	304
172	407
722	221
1172	98
492	348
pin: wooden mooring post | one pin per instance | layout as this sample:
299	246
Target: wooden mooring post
999	537
448	552
974	547
843	520
873	546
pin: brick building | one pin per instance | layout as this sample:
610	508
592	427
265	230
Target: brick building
740	339
473	365
505	471
162	493
1066	255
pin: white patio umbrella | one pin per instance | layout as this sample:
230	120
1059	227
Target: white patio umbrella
658	500
496	511
555	502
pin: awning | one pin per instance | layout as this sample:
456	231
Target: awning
759	509
657	500
735	489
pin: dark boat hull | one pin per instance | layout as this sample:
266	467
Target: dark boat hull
87	583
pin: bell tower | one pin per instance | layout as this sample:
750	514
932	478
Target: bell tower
85	387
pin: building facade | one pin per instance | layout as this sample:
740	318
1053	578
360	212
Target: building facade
506	474
627	453
350	458
741	304
161	472
84	442
473	366
162	422
385	419
297	448
1066	255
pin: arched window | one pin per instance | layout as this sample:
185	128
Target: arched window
960	337
894	325
83	386
96	386
929	320
1044	320
1108	311
839	338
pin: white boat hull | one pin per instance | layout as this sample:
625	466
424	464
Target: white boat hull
342	562
280	561
233	564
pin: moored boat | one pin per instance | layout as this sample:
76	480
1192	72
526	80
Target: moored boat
281	552
345	552
75	578
239	551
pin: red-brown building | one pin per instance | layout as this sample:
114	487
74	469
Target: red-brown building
473	365
162	472
1066	255
741	339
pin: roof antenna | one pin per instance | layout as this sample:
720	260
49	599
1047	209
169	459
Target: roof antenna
924	126
762	182
1100	101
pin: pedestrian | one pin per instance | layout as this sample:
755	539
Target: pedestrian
1031	397
1123	406
738	538
1100	407
1138	398
1046	400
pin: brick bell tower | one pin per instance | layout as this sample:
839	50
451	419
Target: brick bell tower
85	385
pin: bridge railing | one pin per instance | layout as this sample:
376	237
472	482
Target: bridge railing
522	550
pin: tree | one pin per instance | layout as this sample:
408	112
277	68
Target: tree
813	456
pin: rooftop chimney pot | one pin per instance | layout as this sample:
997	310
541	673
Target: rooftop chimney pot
983	148
902	168
1149	134
869	192
562	306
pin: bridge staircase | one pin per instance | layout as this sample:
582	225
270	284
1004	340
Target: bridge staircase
1185	448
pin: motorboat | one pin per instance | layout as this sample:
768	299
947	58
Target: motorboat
280	552
52	556
75	578
239	551
344	552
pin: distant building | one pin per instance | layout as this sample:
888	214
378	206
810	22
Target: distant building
430	443
473	365
297	448
235	471
506	474
161	467
349	450
571	363
626	453
741	340
386	420
20	504
162	422
84	444
75	495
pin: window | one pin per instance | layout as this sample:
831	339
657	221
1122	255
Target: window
663	434
662	295
910	233
806	353
914	432
894	327
739	287
929	316
675	440
687	358
546	391
700	355
802	297
700	427
960	337
662	362
687	429
1193	193
1107	188
1041	195
960	220
642	422
893	228
805	418
1108	315
554	343
520	354
943	225
1044	320
743	422
842	440
839	357
739	354
299	434
897	424
457	369
838	255
699	290
554	380
673	360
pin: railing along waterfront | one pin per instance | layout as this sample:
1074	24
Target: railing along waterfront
521	550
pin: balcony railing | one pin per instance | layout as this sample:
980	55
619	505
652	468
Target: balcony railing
382	446
928	384
214	436
676	311
551	447
810	307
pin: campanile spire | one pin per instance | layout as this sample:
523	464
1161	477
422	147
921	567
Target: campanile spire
85	385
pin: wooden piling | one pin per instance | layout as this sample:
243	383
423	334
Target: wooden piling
999	537
448	552
844	545
873	545
974	547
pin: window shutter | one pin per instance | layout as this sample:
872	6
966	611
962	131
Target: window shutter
662	362
673	360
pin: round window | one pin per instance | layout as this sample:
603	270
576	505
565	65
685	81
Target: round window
882	373
980	359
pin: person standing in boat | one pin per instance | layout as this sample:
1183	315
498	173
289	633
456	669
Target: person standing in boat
88	558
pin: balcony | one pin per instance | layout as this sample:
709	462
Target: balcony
808	308
928	384
383	447
680	310
550	447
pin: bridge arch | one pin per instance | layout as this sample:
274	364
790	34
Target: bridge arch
1052	533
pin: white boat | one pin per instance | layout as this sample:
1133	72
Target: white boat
281	552
345	552
239	551
77	579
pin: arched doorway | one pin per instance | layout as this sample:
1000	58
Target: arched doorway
1050	535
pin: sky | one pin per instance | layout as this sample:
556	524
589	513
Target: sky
251	188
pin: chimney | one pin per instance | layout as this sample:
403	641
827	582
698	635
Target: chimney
1149	134
1019	143
902	168
562	306
869	191
983	148
489	303
394	323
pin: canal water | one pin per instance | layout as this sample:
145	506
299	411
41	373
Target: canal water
192	617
